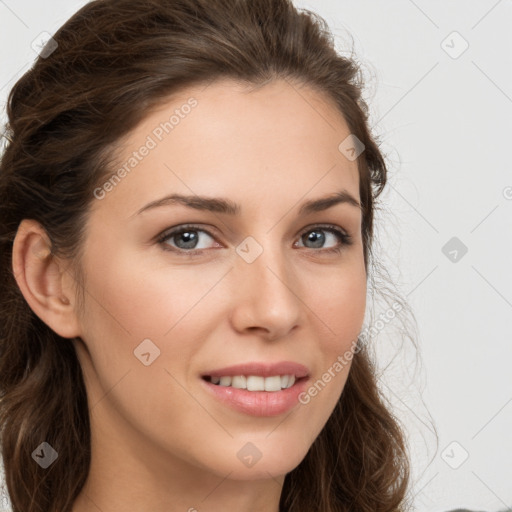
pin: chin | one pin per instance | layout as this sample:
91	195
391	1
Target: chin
253	464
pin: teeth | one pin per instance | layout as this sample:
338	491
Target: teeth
272	383
256	382
225	381
239	382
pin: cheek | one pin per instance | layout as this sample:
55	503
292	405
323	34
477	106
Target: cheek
338	308
129	300
127	303
138	299
340	304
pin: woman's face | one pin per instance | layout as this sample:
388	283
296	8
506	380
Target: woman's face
261	286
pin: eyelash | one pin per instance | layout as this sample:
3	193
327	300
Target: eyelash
344	238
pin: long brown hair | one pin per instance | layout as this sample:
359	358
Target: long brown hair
113	61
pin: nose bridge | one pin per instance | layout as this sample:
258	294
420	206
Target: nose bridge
266	259
266	295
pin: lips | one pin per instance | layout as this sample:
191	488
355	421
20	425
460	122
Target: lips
257	402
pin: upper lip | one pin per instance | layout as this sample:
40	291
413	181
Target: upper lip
263	369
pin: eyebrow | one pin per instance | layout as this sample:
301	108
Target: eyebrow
228	207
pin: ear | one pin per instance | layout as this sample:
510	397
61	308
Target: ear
44	280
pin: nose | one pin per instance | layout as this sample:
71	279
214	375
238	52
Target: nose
266	296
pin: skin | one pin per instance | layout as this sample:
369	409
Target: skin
159	441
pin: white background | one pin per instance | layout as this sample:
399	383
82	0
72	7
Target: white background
445	123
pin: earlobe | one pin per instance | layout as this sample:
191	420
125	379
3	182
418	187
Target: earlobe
42	279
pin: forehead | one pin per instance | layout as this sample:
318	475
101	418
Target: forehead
278	142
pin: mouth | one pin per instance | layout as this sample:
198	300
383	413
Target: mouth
258	389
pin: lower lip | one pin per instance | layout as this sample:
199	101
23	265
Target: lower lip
258	403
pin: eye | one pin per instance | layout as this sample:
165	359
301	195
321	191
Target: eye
317	237
186	239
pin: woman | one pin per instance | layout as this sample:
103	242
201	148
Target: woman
187	201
